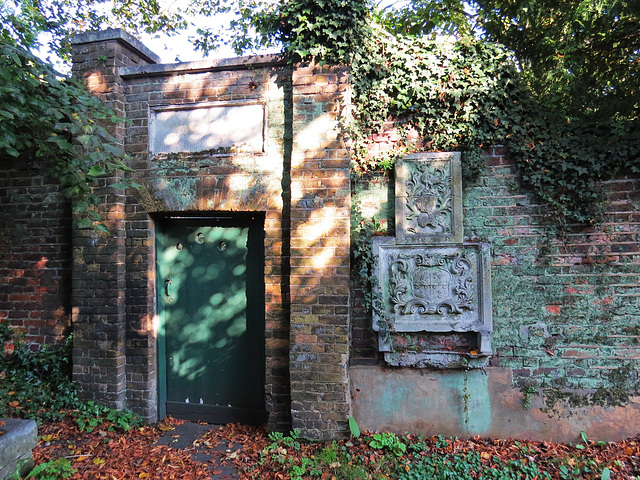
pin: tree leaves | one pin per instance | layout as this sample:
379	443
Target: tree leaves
579	56
51	121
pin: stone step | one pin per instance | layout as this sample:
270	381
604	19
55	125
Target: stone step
17	440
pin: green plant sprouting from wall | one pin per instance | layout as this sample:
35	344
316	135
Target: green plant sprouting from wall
362	230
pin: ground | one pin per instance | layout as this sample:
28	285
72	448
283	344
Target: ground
174	449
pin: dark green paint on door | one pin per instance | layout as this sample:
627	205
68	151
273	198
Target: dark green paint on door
211	308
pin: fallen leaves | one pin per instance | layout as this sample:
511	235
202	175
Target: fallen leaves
165	426
104	455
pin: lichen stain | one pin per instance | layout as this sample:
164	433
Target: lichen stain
177	193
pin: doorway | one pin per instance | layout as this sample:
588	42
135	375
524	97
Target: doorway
210	297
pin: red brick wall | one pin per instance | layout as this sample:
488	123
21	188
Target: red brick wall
35	254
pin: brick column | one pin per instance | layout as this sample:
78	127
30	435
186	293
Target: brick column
320	209
99	267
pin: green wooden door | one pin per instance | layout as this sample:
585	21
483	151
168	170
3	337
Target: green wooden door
211	309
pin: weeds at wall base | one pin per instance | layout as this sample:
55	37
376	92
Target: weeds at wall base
412	457
37	385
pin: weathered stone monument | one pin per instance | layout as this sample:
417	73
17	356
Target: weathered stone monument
432	292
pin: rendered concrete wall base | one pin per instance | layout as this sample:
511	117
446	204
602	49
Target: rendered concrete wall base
464	404
17	439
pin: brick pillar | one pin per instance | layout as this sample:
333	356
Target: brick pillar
99	267
320	209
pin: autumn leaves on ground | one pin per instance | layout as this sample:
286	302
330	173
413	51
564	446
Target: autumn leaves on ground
116	455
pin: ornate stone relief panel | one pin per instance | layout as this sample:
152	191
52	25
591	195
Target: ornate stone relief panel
432	288
429	198
432	292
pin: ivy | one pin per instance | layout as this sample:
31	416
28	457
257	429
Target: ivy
453	95
467	95
55	122
325	30
362	231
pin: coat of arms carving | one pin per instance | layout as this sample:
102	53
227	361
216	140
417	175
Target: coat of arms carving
430	284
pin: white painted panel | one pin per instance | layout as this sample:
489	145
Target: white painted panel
228	128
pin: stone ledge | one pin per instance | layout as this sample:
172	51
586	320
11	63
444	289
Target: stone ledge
121	36
199	66
18	438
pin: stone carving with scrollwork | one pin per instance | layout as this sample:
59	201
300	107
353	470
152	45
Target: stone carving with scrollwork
429	198
428	204
432	292
430	284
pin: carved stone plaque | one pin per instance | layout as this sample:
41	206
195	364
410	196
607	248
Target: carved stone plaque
429	198
432	288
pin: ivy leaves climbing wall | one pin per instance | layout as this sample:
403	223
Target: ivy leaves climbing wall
467	95
327	30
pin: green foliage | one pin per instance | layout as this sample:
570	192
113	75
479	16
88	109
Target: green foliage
467	95
455	95
362	258
325	30
37	384
56	123
428	17
91	415
52	470
388	441
353	427
24	21
580	56
527	392
420	458
469	466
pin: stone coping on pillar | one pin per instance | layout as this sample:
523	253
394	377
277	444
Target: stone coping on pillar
121	36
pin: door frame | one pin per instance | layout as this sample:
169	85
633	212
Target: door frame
255	283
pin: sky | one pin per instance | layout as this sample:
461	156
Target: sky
178	48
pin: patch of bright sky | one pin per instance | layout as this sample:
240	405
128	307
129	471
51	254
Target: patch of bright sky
178	48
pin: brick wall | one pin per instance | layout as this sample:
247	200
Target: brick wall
299	183
99	261
320	206
565	304
35	254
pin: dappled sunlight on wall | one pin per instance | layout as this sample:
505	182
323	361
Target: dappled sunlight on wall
228	127
97	83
